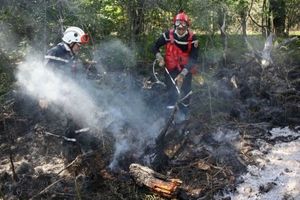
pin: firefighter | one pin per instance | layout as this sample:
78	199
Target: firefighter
181	52
63	55
62	58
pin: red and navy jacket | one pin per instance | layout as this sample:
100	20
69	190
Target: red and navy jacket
180	53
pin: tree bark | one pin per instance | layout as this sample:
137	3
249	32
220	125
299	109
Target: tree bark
277	7
244	23
155	181
263	18
136	19
222	26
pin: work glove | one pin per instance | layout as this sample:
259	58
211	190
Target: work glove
179	78
160	59
43	104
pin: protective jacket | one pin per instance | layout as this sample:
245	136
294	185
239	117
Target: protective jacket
176	57
179	52
61	58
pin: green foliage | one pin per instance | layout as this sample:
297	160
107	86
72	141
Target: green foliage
205	15
6	74
293	12
115	55
137	23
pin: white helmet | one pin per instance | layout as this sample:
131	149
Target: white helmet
75	34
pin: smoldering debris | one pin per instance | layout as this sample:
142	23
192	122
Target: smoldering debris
118	132
106	106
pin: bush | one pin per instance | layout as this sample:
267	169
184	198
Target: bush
6	73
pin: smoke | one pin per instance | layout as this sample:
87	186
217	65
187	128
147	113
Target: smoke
115	105
62	91
224	146
135	124
121	146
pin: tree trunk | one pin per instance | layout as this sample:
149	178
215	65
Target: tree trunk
277	7
222	27
263	18
287	32
244	23
136	20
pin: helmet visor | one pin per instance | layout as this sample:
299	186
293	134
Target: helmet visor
180	22
84	39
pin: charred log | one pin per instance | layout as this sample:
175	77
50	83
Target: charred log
156	182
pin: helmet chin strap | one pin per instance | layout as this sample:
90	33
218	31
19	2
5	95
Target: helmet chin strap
71	47
181	36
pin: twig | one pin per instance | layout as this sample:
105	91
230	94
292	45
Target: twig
44	190
161	136
81	156
160	155
220	170
15	177
77	188
69	165
257	24
64	194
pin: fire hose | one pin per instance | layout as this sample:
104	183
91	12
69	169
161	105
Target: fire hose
157	81
177	89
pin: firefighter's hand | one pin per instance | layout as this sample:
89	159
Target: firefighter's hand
179	80
160	59
43	104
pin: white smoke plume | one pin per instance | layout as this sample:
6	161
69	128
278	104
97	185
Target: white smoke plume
115	105
41	82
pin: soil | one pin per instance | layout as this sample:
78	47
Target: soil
208	152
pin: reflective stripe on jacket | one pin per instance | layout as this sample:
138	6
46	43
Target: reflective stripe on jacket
174	56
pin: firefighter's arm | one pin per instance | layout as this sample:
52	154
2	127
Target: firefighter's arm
191	63
161	41
160	59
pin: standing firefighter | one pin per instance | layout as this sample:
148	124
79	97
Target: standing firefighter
181	52
62	57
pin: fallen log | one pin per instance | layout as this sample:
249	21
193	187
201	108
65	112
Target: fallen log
155	181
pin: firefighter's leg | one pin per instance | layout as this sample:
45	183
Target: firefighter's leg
185	89
171	89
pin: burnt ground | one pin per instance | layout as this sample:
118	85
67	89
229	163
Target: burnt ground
232	111
32	159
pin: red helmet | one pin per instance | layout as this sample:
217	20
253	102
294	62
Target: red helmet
181	16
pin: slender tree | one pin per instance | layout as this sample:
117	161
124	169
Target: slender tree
278	10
